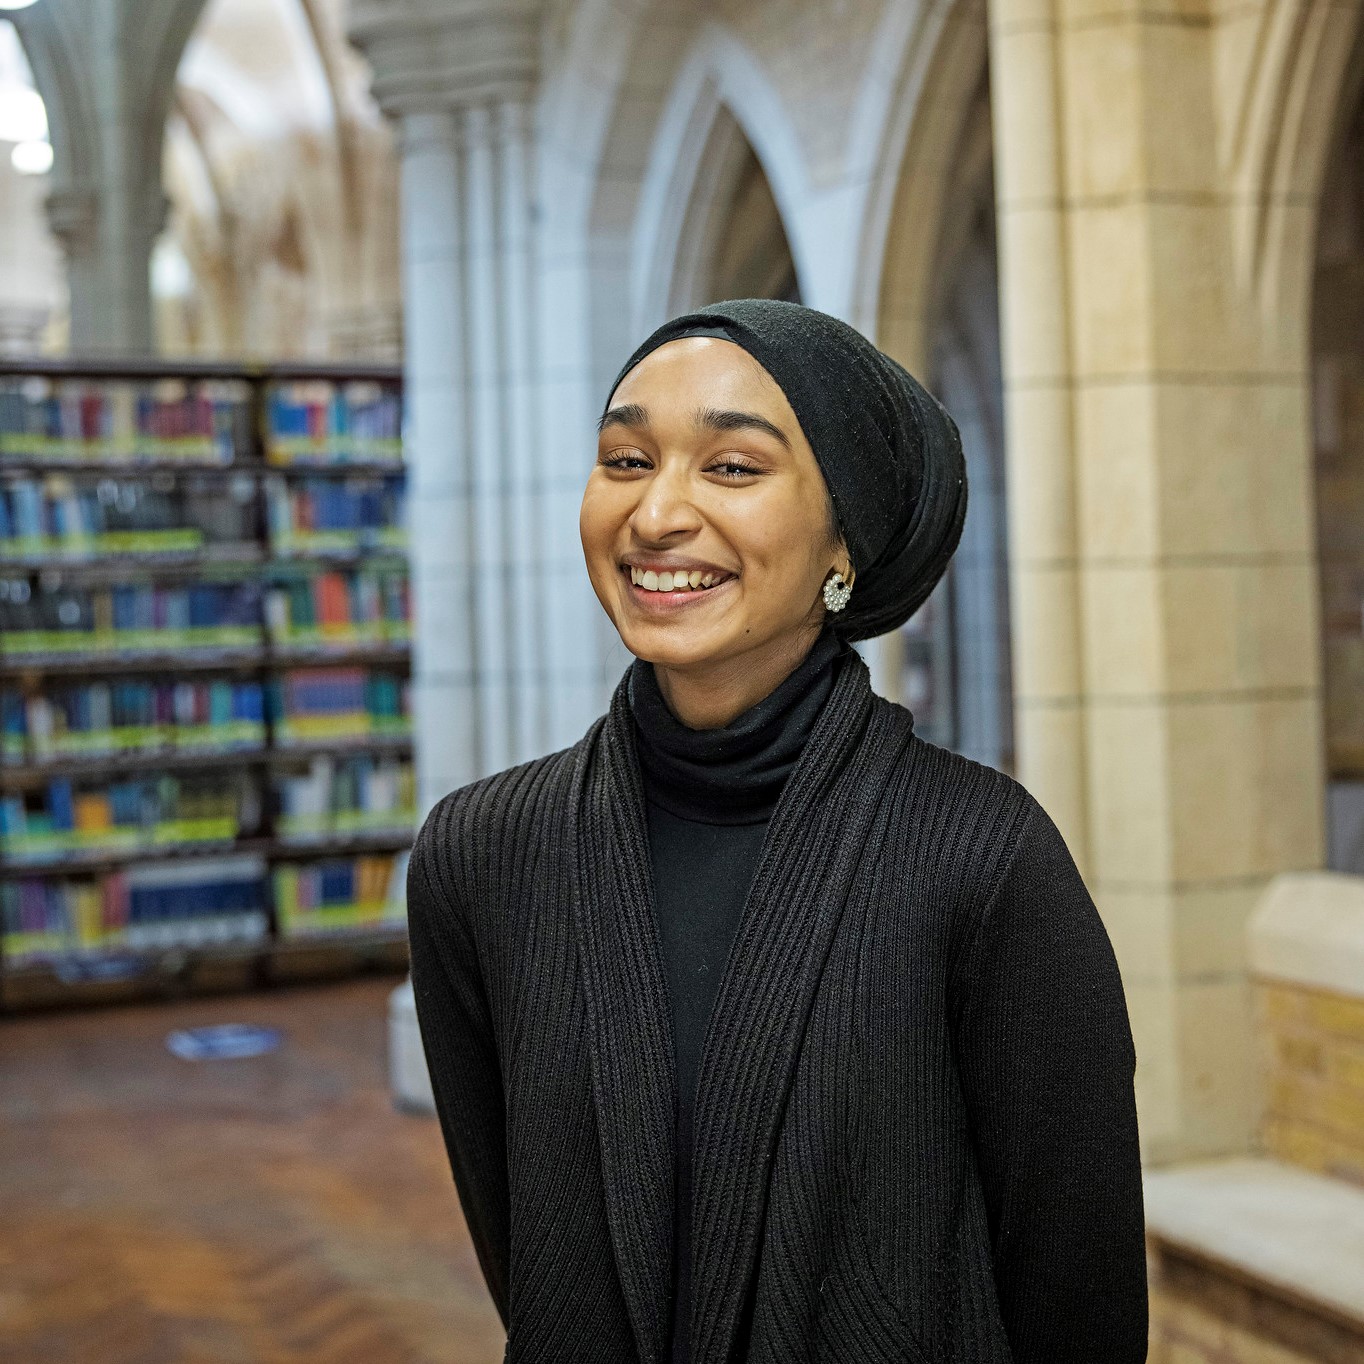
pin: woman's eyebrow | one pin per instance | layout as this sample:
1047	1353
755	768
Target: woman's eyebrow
633	415
725	419
636	416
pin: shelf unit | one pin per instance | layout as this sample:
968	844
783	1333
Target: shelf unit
205	774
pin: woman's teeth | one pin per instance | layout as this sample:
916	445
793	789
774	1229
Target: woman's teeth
672	582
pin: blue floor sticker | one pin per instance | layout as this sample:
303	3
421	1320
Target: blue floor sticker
224	1040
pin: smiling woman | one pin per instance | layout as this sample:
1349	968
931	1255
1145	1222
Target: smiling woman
703	469
760	1027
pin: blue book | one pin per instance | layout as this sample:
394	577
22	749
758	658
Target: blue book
337	882
60	805
28	509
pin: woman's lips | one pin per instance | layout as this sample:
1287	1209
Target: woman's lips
670	601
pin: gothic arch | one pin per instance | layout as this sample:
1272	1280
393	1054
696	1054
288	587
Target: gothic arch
940	83
662	156
646	137
929	287
750	256
720	116
54	56
1305	72
55	49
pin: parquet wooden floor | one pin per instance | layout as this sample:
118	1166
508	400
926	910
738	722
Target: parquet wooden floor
270	1210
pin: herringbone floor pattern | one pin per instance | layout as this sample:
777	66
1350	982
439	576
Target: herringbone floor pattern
273	1210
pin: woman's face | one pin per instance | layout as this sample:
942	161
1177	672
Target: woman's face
703	473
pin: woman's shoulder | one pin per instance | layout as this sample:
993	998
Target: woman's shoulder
955	787
509	803
967	816
993	845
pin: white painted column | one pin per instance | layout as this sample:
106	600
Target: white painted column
489	455
117	311
440	500
524	435
505	655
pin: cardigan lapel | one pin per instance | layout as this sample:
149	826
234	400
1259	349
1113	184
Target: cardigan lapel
809	854
629	1024
814	843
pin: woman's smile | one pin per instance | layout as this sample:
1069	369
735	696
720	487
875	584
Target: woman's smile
666	591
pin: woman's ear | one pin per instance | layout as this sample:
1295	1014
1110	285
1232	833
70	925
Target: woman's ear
849	573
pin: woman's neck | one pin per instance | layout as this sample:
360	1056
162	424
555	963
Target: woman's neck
731	773
710	696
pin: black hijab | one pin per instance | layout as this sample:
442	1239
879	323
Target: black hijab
890	454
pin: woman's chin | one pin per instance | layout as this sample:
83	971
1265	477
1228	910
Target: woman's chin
676	642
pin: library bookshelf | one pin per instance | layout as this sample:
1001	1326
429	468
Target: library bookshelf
205	748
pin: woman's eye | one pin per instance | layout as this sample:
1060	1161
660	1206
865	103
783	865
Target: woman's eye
733	469
726	468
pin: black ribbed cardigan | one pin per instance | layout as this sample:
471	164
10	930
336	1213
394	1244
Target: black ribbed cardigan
915	1130
709	795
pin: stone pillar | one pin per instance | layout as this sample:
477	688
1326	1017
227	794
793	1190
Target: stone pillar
1164	617
459	80
439	496
106	69
107	240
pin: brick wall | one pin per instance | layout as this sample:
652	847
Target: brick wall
1313	1052
1202	1315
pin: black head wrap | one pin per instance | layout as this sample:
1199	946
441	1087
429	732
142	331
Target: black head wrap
890	454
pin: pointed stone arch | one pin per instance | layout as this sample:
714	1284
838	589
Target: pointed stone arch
930	159
941	86
285	211
720	117
729	221
1305	73
672	155
751	256
927	290
650	130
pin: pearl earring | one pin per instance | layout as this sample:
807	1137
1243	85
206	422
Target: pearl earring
836	592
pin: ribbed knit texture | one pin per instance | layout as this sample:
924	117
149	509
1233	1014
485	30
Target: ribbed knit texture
709	795
915	1128
732	774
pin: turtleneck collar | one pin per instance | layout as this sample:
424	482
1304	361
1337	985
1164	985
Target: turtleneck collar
734	774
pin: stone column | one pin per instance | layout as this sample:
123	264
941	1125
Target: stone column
490	597
1164	618
445	711
107	240
106	69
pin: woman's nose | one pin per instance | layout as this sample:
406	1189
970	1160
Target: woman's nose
665	505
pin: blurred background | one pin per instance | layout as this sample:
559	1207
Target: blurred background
307	310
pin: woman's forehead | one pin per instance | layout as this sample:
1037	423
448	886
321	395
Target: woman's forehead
709	361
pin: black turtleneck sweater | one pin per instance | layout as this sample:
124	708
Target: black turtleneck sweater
709	795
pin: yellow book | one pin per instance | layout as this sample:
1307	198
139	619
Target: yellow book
88	914
93	814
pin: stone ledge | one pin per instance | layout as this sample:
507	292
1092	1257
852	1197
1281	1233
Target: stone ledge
1288	1233
1309	928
